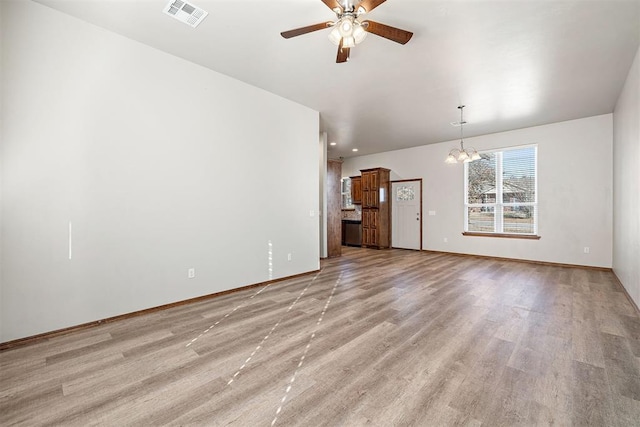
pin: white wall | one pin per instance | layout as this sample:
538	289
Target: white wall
574	184
2	104
160	164
626	183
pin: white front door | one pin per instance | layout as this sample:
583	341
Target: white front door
406	199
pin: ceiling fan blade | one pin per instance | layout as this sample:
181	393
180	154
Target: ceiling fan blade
343	53
305	30
332	4
391	33
369	5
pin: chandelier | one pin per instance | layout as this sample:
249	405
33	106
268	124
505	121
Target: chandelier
462	155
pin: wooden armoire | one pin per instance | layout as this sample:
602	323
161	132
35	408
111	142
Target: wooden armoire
376	213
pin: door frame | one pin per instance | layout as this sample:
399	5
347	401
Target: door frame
391	207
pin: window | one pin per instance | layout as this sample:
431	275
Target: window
501	194
346	194
405	193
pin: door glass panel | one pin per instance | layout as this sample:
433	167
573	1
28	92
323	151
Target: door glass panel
405	193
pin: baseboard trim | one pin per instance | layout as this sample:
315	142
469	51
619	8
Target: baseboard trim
624	290
64	331
529	261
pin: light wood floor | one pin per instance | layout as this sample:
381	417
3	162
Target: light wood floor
386	338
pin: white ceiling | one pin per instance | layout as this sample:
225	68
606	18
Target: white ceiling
513	63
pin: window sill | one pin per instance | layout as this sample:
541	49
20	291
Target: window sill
503	235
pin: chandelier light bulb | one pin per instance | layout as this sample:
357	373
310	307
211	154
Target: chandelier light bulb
359	33
346	26
334	35
348	42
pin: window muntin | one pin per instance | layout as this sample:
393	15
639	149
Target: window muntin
501	194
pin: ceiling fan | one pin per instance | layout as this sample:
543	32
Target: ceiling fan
348	31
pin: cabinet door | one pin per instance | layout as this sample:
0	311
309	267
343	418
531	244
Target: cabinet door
373	181
365	218
373	219
366	236
373	237
373	199
356	190
366	181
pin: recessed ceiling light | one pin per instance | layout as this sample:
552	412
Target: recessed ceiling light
333	143
354	149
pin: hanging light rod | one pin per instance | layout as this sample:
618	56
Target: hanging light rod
461	155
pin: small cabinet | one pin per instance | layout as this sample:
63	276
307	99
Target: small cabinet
356	190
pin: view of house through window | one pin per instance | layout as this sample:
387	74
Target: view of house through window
501	192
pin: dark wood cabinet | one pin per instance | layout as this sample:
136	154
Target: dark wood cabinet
371	187
376	213
370	179
356	190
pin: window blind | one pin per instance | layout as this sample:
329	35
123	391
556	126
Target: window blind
501	192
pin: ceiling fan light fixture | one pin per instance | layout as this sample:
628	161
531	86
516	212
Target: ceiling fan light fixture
347	30
334	35
359	33
348	42
345	25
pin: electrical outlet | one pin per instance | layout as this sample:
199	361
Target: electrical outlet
586	249
288	257
446	240
191	273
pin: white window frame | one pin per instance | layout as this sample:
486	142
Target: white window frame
499	205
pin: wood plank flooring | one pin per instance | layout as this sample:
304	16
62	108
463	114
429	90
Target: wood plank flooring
383	338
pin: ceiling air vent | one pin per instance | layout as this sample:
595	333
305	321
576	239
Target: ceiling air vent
185	12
